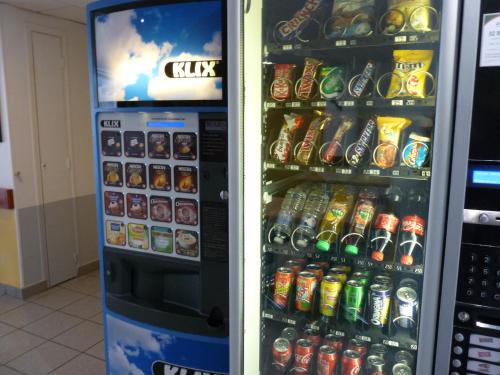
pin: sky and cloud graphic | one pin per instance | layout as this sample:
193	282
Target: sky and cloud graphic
133	47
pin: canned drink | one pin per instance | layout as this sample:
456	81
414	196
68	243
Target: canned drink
406	307
401	369
313	336
358	346
354	296
344	267
306	286
303	354
378	349
351	363
290	334
283	282
327	360
316	269
361	278
294	265
331	287
379	302
404	357
282	352
363	271
338	273
382	280
324	265
409	283
334	341
375	365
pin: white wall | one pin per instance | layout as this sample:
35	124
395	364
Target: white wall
16	27
6	178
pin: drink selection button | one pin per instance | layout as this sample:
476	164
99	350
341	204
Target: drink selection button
458	350
456	363
463	316
459	337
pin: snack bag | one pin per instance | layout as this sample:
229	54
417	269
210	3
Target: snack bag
389	131
351	18
411	69
416	12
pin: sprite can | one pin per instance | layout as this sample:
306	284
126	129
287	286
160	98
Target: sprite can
331	288
354	297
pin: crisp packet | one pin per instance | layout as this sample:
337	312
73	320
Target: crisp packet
389	131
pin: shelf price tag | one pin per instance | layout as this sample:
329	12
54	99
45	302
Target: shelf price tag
364	338
341	43
287	47
397	103
395	172
419	270
270	165
426	173
388	267
339	333
295	105
394	344
348	103
270	104
319	104
369	103
266	315
400	39
317	169
292	167
410	102
414	347
413	38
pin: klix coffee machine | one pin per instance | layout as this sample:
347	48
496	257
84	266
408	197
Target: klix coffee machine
162	128
469	323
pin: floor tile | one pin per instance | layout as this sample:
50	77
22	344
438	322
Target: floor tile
7	371
5	329
9	303
82	337
17	343
24	315
97	351
97	318
43	359
82	365
52	325
57	298
85	284
85	308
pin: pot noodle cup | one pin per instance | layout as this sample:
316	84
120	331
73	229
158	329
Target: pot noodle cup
394	15
433	19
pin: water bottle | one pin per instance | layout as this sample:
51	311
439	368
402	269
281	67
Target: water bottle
292	206
314	208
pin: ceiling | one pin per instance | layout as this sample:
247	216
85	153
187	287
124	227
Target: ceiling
73	10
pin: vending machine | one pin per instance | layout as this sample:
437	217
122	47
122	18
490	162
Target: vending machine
165	116
348	128
469	321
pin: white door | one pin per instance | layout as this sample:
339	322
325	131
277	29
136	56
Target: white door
55	162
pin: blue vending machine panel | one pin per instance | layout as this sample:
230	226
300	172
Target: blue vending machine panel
161	148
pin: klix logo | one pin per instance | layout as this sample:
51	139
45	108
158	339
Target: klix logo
162	368
111	124
194	69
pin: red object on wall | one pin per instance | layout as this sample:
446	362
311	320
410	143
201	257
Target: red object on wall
7	198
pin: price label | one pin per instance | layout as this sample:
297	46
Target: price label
293	167
426	173
398	267
339	333
295	104
397	103
267	315
364	338
353	42
291	321
369	103
319	104
341	43
317	169
287	47
413	38
410	102
271	165
419	270
395	173
388	267
343	260
400	39
414	347
392	343
348	103
271	105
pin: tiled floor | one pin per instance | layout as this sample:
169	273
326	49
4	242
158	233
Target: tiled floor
57	332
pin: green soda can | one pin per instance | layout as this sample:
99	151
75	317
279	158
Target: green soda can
361	277
332	83
354	297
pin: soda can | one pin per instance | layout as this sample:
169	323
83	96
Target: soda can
365	272
375	365
306	286
382	280
358	346
351	363
303	354
338	273
401	369
361	278
331	287
344	267
409	283
316	269
354	296
334	341
379	302
406	307
282	352
313	336
283	282
294	265
378	349
324	265
327	360
404	357
290	334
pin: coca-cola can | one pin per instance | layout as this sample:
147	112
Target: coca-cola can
334	341
327	360
282	352
313	336
303	354
358	346
290	334
351	363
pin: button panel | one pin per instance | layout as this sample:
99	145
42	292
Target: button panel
479	281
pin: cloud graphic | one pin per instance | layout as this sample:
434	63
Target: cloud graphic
119	363
214	48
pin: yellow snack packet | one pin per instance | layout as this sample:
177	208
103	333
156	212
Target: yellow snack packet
416	12
389	131
410	72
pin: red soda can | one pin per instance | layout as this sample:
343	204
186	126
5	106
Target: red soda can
294	265
313	336
283	282
327	360
303	354
351	363
334	341
358	346
316	269
282	352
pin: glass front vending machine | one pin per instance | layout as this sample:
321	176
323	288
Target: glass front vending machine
348	124
161	75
